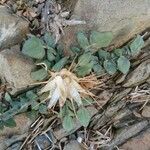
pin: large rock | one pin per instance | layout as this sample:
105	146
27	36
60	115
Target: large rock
124	18
138	75
141	142
15	68
9	136
12	28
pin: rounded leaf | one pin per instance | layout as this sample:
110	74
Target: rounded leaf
110	67
83	116
33	48
68	123
82	40
136	45
100	39
39	75
123	64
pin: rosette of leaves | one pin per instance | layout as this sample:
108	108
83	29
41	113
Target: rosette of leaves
67	72
29	103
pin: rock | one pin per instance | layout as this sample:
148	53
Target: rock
72	145
138	75
8	136
121	78
119	17
22	126
146	112
12	28
15	68
141	142
148	81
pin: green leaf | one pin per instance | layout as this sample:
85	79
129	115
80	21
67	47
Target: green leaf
82	40
103	54
33	114
75	49
119	52
123	64
51	54
33	47
10	123
98	69
84	59
100	39
84	70
136	45
49	39
31	95
1	125
8	97
83	116
43	109
87	101
39	75
58	66
110	67
68	123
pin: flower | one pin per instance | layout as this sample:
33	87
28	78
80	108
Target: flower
65	85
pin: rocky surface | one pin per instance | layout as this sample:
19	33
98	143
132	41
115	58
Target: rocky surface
140	142
72	145
146	111
13	29
9	135
138	75
15	68
123	18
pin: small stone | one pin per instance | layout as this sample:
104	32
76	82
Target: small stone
15	68
73	145
146	112
138	75
13	29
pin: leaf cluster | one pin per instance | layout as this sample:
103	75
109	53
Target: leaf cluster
44	51
29	103
94	58
70	113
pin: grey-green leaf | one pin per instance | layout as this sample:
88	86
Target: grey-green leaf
43	109
33	48
49	39
98	69
136	45
123	64
83	116
103	54
84	59
100	39
51	54
68	123
82	40
39	75
84	70
110	67
10	123
59	65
